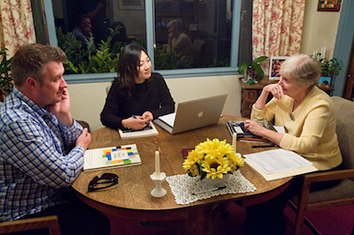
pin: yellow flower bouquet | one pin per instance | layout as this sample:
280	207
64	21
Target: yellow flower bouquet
212	159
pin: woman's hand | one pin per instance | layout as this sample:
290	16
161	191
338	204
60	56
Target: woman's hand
259	130
137	122
147	116
275	89
254	127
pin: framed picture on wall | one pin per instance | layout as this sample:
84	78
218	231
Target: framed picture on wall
324	82
328	5
131	4
275	63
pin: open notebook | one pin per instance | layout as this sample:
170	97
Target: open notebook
193	114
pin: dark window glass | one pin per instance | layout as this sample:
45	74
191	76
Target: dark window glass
192	34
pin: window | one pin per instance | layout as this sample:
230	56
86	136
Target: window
197	34
211	29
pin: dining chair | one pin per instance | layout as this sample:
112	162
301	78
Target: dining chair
199	48
341	194
49	222
84	125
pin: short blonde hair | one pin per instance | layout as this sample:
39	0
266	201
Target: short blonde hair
303	69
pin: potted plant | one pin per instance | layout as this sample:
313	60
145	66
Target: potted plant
214	160
252	70
331	68
6	82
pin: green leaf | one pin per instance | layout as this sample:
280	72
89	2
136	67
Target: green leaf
259	71
260	59
242	67
203	175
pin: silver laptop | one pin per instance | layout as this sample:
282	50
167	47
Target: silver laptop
193	114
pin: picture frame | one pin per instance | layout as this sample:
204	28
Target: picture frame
324	82
131	5
328	5
274	67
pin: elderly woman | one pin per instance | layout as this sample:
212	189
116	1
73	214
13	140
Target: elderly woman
308	115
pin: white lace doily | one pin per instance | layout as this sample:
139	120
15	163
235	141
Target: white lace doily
183	186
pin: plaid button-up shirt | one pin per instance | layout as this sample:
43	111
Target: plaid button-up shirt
38	157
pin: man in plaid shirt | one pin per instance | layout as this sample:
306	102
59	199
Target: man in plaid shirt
42	146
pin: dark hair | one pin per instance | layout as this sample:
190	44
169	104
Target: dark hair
122	35
30	61
128	62
80	19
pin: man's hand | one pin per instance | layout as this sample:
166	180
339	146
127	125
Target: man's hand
62	109
84	139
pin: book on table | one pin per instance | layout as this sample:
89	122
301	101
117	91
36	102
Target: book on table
243	134
279	163
149	130
111	157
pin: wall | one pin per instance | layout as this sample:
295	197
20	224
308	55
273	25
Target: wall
319	30
87	99
344	44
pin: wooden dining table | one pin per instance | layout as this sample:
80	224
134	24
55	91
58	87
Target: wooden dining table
131	197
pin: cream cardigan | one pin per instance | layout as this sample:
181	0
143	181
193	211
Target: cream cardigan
311	127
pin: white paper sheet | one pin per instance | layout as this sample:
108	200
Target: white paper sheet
168	118
277	160
280	129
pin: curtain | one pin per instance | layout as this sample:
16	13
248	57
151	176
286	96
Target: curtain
277	27
16	24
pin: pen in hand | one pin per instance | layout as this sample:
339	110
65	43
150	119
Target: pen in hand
147	123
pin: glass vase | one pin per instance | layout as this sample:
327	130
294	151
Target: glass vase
217	182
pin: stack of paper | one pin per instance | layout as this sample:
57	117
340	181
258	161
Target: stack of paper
279	163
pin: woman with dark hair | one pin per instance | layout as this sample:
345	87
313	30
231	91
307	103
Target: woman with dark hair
137	96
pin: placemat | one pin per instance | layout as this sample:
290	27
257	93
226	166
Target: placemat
183	187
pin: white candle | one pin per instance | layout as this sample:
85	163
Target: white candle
321	52
324	52
157	163
234	137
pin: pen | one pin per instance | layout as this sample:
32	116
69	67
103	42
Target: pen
140	119
263	146
209	190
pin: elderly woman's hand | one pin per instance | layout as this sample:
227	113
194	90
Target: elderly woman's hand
254	127
275	89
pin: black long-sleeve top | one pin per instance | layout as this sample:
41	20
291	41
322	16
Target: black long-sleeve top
153	96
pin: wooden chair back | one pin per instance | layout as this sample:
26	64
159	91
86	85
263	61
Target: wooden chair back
50	222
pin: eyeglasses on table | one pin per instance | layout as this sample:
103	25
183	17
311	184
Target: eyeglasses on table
105	181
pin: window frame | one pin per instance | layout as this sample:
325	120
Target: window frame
176	73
